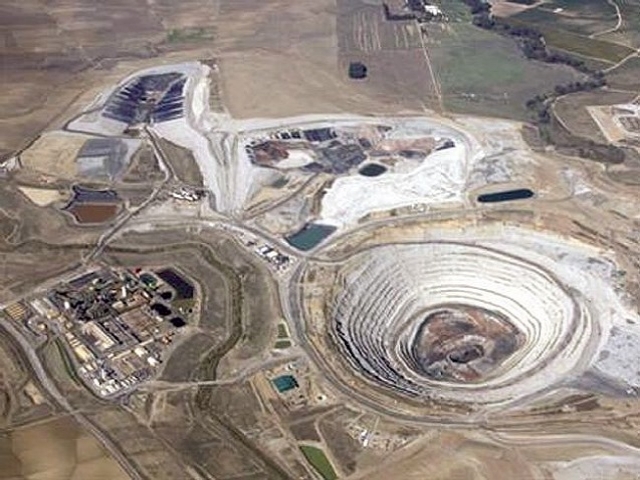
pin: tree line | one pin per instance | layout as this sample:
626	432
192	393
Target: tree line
532	43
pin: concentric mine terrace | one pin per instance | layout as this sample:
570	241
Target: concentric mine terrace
480	323
455	321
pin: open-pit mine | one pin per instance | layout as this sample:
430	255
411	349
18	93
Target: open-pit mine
474	320
323	295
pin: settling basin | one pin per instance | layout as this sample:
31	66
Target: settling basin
309	236
372	170
506	195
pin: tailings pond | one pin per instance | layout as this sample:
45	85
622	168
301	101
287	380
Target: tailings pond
310	236
90	206
372	170
506	195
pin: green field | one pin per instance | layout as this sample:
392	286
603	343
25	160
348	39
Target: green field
582	17
626	76
589	47
455	10
317	458
567	25
629	32
177	35
575	43
281	344
484	73
282	331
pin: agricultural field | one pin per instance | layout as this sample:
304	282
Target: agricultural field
628	31
626	76
482	73
56	450
577	16
577	27
314	52
319	460
392	51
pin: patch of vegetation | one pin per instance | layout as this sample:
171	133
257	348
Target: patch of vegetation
176	35
535	40
484	73
583	17
280	182
629	31
282	331
579	44
67	362
319	461
626	76
534	44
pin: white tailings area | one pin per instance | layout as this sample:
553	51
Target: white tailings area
218	145
440	178
191	131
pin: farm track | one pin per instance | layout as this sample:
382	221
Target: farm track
616	27
434	81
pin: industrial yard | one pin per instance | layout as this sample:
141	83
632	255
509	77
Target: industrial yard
117	324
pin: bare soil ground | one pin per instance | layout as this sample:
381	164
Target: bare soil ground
305	431
186	357
42	197
144	167
450	456
628	173
572	112
286	59
182	163
53	54
56	450
54	154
